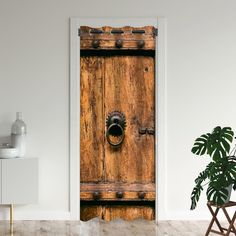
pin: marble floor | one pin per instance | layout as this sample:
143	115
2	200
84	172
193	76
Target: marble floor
98	227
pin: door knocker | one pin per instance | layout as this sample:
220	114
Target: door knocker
115	124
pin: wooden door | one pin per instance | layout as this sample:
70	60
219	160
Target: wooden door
117	75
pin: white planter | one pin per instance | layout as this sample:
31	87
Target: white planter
229	188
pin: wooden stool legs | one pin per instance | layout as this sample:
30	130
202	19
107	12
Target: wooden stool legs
231	222
231	228
214	214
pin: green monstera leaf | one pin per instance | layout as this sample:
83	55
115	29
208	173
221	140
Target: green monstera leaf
219	142
216	144
223	173
205	174
201	144
217	194
195	195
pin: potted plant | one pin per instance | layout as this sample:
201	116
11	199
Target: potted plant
220	174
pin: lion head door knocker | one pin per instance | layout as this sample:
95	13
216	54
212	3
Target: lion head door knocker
115	124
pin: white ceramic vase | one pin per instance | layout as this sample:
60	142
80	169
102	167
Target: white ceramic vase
18	135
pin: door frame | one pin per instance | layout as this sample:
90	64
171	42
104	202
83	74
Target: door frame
160	107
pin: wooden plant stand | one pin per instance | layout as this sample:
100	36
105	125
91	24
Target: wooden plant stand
222	230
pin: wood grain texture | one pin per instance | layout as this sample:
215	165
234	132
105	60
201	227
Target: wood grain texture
111	196
91	119
88	212
128	212
109	211
123	81
129	87
107	40
149	187
108	191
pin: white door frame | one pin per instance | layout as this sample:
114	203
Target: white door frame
160	107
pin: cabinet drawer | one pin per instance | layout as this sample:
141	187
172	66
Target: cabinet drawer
20	181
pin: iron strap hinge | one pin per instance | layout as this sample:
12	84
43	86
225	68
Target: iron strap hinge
155	31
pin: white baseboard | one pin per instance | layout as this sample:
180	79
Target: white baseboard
195	215
66	215
36	215
186	215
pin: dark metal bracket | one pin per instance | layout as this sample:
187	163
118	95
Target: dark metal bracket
145	130
155	31
96	31
138	31
118	31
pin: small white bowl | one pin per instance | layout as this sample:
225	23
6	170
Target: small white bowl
8	152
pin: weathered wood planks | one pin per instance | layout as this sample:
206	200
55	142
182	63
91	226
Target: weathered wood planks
107	40
108	211
108	191
125	81
129	87
91	119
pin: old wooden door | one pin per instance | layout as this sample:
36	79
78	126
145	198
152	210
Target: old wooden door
117	136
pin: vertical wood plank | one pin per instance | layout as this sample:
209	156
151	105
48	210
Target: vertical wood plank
89	211
129	87
91	119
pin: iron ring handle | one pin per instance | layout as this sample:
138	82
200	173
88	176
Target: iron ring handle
108	135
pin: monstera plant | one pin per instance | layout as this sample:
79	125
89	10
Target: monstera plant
220	174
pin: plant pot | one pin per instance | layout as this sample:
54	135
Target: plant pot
229	188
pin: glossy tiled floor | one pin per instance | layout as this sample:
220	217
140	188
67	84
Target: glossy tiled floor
97	227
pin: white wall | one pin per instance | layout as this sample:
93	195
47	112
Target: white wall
34	79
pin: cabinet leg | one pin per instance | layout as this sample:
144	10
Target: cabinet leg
11	230
11	214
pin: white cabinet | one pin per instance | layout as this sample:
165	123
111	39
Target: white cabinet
19	181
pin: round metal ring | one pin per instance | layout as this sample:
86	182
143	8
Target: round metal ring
122	136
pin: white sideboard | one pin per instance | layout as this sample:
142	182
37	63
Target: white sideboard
19	181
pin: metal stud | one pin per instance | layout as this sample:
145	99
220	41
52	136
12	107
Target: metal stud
141	195
95	43
140	43
119	43
119	194
96	195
